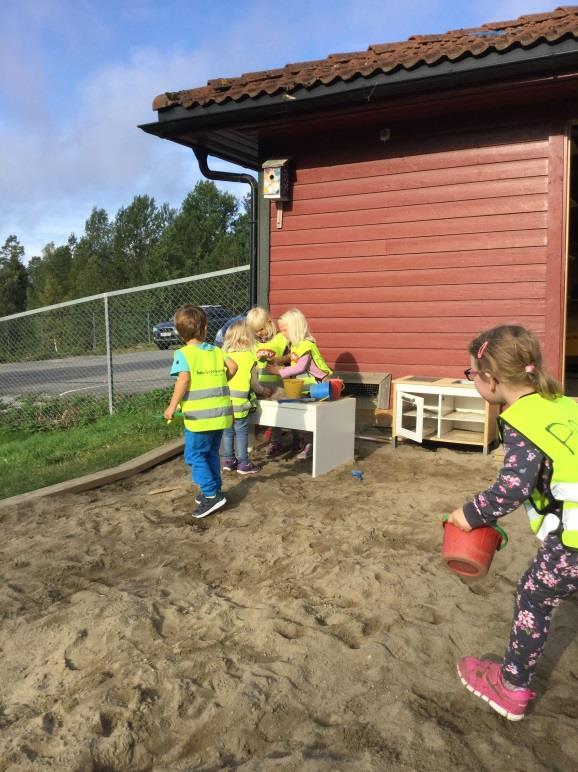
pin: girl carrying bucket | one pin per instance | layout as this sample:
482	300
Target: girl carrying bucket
539	429
307	363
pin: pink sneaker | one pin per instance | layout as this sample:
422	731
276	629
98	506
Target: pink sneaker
484	679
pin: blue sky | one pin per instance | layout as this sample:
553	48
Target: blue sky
78	76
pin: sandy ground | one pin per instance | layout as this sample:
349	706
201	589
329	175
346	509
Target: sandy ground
309	626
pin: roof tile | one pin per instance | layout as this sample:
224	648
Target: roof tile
418	50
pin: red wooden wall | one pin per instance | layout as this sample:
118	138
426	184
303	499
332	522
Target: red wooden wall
399	253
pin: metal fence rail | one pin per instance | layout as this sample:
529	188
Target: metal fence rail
104	345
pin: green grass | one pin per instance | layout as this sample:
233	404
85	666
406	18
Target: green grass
43	442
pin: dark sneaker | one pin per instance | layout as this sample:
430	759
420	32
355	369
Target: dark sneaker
274	449
201	497
208	505
484	679
248	468
229	464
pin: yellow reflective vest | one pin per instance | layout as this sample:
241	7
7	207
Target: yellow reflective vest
278	345
240	384
552	426
207	405
309	347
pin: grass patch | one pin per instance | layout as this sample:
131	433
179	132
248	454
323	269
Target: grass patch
43	442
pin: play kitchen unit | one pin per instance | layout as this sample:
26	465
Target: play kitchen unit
442	410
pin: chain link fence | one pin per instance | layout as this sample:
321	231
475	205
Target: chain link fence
105	346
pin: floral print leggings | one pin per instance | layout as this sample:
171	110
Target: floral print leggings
552	576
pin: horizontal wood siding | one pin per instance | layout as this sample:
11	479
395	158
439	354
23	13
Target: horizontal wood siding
399	253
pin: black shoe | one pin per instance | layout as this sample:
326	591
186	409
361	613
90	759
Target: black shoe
208	505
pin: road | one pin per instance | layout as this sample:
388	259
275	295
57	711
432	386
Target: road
140	371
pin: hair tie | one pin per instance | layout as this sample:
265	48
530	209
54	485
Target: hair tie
530	368
482	349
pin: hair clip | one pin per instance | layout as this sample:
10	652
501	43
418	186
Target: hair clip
482	349
530	368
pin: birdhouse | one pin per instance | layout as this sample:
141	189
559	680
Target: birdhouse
276	180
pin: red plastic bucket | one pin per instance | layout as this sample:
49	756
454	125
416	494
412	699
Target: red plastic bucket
336	385
470	553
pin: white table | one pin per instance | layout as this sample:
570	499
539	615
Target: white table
331	422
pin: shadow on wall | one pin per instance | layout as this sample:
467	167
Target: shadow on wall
346	362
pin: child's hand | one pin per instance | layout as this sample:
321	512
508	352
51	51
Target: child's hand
168	414
265	392
458	519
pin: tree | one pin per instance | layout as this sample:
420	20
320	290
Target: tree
50	275
93	269
198	239
137	229
13	277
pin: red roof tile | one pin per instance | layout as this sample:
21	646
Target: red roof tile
417	51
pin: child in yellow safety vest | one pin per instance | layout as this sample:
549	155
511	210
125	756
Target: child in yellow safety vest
239	345
539	429
307	362
271	348
202	371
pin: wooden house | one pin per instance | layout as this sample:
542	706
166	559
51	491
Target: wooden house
431	189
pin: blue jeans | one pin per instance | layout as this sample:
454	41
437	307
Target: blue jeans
237	435
202	455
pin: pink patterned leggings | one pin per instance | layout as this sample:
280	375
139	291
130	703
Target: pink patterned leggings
552	576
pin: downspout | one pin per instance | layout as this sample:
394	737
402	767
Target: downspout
210	174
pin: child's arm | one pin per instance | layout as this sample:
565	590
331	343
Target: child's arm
181	388
523	466
301	366
256	386
231	366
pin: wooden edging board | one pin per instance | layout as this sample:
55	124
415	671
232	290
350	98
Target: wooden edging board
105	476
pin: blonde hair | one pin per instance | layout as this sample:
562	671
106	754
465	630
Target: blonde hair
512	354
297	326
238	337
259	318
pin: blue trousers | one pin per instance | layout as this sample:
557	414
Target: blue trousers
237	435
202	455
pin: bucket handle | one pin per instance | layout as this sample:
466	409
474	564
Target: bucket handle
495	526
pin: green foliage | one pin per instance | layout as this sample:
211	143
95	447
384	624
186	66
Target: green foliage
30	459
13	277
35	413
144	242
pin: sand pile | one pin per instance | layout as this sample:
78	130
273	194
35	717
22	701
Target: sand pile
309	626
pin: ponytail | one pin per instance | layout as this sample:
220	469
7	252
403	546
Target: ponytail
512	354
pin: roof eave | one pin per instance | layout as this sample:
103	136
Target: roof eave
208	121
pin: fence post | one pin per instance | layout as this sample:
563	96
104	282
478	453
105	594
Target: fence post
108	356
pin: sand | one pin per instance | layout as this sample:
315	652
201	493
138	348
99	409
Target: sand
309	626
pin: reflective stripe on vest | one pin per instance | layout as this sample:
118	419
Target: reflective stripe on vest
279	345
552	426
219	391
207	405
309	347
240	383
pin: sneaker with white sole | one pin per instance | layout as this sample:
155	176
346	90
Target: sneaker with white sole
229	464
483	678
307	451
208	505
248	468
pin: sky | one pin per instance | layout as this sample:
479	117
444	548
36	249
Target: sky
77	77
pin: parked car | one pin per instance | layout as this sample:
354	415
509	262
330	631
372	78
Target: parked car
165	334
220	335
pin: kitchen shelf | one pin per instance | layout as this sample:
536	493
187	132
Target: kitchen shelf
442	410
